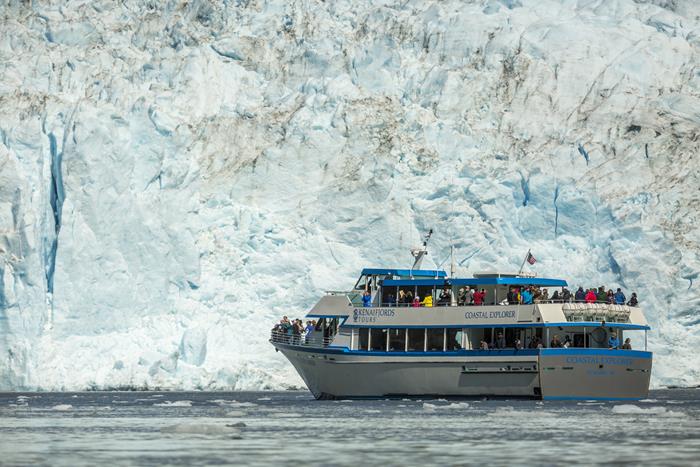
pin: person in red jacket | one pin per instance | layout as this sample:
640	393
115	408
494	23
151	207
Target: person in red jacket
479	297
590	296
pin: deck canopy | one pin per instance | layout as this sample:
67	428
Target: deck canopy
404	272
480	281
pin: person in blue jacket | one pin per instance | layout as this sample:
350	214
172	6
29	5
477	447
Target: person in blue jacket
613	341
366	299
619	297
526	296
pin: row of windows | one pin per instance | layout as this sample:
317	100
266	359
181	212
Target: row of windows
409	340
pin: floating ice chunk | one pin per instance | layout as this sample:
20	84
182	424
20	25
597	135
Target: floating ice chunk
265	399
452	406
233	403
649	401
630	409
174	404
202	429
62	407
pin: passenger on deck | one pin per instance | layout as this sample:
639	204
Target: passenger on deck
544	298
590	296
610	297
565	295
613	341
555	343
513	298
286	326
445	298
526	296
627	345
533	343
518	345
556	298
619	297
601	297
633	300
297	330
366	298
416	302
500	341
409	298
309	328
402	298
390	300
580	295
567	342
483	345
479	297
427	301
470	295
461	296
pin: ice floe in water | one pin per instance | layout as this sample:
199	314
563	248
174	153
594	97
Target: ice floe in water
455	405
62	407
204	429
264	398
233	403
174	404
631	409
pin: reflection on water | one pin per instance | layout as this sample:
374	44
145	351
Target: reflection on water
290	428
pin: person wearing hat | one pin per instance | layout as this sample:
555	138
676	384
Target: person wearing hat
613	341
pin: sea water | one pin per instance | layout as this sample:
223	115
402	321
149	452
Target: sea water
290	428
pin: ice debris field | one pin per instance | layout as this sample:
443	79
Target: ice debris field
174	176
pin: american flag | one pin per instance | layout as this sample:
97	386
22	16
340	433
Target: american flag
531	259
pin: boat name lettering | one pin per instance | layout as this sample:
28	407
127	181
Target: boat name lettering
370	315
600	360
490	314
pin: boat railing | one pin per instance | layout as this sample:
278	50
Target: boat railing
312	340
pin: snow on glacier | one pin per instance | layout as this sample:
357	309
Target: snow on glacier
174	176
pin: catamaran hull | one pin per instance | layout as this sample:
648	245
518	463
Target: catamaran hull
548	374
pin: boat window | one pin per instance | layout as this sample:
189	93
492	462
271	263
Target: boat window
397	340
436	339
454	339
378	339
416	340
363	338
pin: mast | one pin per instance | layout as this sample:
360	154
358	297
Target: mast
420	252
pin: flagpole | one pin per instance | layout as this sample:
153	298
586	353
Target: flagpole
523	265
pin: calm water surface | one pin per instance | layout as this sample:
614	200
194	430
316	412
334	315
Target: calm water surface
290	428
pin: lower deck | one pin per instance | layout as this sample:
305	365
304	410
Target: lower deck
535	373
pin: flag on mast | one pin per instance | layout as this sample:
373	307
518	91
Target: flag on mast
531	259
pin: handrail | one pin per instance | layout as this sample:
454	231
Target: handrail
314	339
436	304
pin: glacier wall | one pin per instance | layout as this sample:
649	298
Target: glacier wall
176	175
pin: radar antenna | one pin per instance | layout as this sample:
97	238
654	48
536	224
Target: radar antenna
419	252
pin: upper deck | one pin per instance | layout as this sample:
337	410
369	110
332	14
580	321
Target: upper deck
385	309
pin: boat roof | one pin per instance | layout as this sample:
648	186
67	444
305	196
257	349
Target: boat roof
539	281
404	272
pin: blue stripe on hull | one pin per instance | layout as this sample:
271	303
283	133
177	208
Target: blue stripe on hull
583	398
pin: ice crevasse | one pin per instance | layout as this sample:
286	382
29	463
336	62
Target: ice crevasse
174	176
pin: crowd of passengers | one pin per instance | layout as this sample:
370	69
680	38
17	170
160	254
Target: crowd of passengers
294	331
517	295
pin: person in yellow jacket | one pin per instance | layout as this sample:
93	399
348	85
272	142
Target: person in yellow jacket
428	301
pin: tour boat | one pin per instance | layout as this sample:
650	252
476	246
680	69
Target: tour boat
386	349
